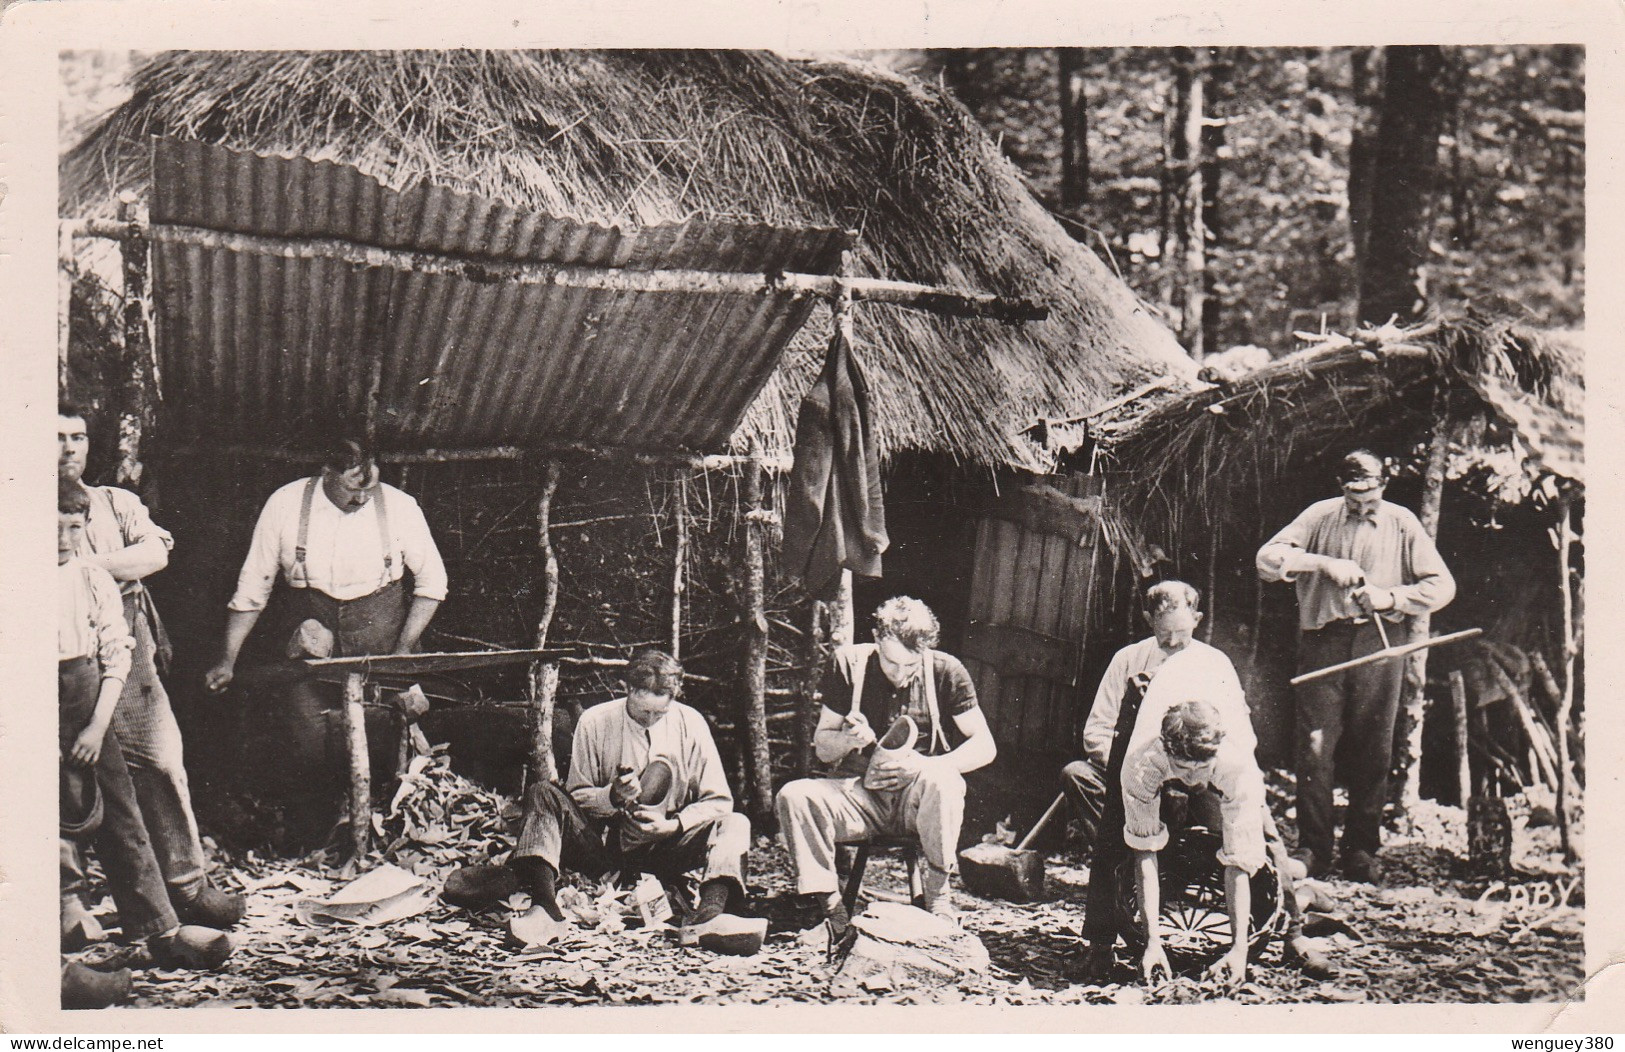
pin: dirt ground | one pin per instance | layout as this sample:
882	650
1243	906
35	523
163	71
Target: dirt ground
1426	936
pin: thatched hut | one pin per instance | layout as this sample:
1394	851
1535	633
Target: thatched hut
1494	413
620	142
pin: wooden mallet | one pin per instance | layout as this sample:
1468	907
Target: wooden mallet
1014	873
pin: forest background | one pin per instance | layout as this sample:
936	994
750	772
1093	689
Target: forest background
1247	193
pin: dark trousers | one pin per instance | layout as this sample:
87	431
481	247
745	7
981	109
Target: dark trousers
306	724
1100	909
121	843
556	830
1360	704
1085	788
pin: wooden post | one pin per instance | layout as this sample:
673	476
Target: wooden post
679	564
815	655
1565	709
1413	691
64	305
544	675
135	408
754	622
842	617
1212	582
1464	770
355	727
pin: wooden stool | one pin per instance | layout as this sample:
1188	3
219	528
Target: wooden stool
909	846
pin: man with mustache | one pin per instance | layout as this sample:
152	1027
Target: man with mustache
344	541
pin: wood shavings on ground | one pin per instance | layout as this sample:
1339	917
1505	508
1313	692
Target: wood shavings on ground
1428	936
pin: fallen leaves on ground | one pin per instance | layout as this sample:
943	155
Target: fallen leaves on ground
1428	935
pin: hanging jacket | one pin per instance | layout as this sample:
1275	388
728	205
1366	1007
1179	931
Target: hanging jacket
834	517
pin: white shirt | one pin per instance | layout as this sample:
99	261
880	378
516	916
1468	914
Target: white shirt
607	739
343	557
90	619
1197	667
117	520
1231	773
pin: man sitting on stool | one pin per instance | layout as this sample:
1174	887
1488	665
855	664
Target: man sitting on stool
916	786
690	837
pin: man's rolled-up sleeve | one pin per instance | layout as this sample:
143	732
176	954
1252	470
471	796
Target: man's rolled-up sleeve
262	563
1143	829
135	521
429	580
1284	556
1241	786
1431	586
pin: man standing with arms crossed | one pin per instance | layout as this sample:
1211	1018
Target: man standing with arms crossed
1353	559
120	537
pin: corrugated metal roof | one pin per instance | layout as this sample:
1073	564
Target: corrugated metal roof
255	345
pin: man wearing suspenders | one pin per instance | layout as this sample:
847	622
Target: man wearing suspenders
343	540
121	538
909	782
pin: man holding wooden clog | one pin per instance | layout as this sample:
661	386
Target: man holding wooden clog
646	793
911	785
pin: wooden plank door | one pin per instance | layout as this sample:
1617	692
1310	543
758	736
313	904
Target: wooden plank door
1036	553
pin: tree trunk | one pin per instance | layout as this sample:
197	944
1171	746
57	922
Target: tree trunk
544	675
1187	154
1074	127
135	394
1413	691
64	305
1366	76
1212	144
1405	162
754	621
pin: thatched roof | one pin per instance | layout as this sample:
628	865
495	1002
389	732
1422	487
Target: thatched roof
640	137
1515	398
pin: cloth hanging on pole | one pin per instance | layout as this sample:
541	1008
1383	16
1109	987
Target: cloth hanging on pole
834	516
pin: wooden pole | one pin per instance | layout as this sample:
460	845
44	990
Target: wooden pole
64	307
952	302
544	675
1464	775
1413	690
843	618
135	409
1566	708
754	622
355	727
679	563
815	656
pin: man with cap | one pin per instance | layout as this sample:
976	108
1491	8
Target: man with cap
120	537
1353	559
343	540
